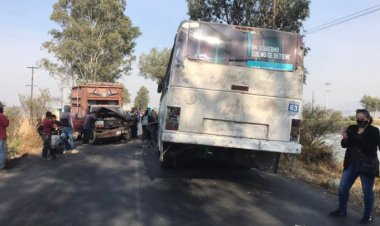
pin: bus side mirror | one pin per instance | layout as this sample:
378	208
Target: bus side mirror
159	88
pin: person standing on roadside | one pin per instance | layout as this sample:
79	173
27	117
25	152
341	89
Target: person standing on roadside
134	123
48	128
4	123
67	127
88	126
153	127
360	160
146	119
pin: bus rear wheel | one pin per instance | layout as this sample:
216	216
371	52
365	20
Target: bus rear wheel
166	163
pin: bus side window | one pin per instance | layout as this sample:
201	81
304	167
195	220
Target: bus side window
180	47
165	82
192	46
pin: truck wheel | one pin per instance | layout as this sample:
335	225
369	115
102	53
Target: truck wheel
93	138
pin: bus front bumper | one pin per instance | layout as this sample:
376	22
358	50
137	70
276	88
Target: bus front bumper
231	142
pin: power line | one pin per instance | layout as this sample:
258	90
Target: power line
340	22
344	19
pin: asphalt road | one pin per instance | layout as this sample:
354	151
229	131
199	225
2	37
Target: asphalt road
123	184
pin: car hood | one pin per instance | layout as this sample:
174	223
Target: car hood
106	112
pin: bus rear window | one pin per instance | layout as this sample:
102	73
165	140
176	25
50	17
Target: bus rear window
257	48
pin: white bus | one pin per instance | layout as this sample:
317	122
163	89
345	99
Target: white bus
232	93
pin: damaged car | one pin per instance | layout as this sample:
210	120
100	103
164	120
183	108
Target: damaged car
111	123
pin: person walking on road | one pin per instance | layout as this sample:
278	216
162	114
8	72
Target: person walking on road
360	160
48	128
88	126
4	123
67	128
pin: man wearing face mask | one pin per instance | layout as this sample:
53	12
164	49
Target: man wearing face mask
360	160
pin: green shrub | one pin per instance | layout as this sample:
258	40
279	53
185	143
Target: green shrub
317	125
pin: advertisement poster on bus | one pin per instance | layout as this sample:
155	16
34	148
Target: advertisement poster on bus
272	50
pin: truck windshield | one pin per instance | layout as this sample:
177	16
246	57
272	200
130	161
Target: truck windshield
242	46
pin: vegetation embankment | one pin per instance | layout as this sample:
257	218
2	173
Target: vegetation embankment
22	135
317	164
376	122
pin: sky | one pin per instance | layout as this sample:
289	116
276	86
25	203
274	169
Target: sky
346	56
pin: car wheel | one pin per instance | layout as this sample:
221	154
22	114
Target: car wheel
93	138
128	135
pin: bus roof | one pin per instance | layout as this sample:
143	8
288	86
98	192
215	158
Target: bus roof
237	27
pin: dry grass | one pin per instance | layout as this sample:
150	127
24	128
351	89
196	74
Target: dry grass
30	141
326	177
376	122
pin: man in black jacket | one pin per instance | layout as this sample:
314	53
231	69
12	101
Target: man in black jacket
89	125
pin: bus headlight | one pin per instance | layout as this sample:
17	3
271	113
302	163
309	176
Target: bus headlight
172	118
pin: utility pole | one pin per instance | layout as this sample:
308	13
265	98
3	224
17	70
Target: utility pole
274	4
312	100
61	99
327	84
31	90
32	82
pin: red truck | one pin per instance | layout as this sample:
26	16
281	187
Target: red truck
106	100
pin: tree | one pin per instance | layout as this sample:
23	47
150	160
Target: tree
154	64
370	103
37	106
317	124
377	104
288	15
95	43
142	98
126	96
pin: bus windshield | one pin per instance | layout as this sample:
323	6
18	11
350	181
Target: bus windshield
242	46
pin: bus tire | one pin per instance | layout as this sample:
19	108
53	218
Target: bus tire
166	163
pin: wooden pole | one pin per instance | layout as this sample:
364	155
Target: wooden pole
274	4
